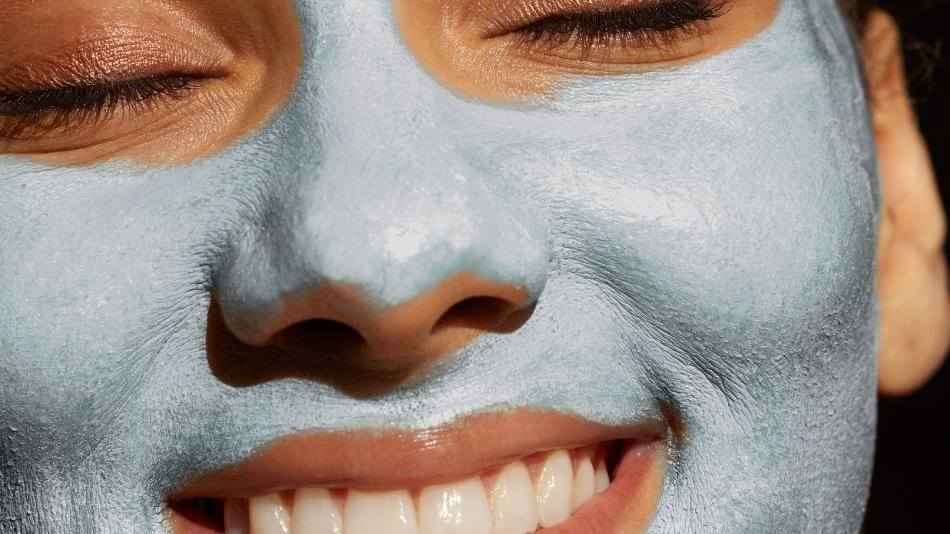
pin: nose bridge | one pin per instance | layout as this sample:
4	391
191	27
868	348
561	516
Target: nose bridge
385	222
396	228
393	207
359	84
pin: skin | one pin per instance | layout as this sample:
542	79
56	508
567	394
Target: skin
912	269
458	43
247	53
691	294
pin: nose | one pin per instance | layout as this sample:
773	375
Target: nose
381	237
341	284
339	322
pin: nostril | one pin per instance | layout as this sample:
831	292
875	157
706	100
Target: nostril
319	336
483	313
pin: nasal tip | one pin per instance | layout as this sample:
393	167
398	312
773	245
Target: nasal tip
335	326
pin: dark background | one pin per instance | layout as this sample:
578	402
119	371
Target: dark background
910	491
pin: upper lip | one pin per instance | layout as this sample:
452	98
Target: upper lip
390	459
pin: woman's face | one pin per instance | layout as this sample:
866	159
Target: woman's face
406	250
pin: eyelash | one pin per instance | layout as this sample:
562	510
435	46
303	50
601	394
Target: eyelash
72	105
657	24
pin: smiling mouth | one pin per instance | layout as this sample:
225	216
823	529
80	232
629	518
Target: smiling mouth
504	473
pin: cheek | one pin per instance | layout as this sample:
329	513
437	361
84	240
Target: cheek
729	221
101	294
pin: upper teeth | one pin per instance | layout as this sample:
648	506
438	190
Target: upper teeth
510	502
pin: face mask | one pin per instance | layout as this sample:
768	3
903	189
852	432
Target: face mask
699	240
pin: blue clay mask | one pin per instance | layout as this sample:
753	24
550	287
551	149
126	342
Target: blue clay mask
699	238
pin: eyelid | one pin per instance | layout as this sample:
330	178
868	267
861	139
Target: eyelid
657	16
643	32
654	28
87	81
244	57
518	15
96	60
74	107
95	95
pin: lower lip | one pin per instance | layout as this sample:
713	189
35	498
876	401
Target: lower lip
626	505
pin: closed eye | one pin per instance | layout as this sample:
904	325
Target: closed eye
646	24
27	113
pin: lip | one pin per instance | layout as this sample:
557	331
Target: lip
629	503
394	459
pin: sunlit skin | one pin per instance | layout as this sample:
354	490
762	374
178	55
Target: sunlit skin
232	101
912	269
228	49
240	59
471	48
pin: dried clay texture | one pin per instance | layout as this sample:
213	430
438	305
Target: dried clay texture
702	237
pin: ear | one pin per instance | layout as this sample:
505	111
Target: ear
912	271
